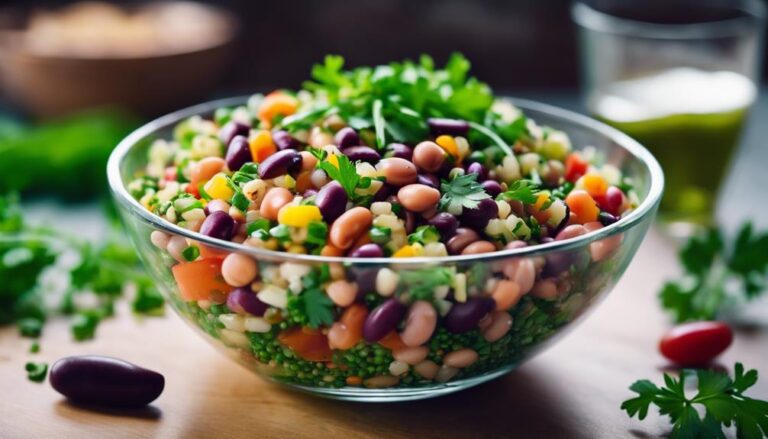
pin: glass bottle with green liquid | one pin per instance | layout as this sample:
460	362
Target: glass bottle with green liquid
678	76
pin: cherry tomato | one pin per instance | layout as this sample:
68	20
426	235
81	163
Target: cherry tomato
575	167
696	343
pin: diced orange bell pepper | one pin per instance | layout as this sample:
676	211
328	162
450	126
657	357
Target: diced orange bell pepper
199	279
583	207
277	103
594	184
262	146
309	344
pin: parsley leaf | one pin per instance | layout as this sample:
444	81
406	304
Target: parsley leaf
346	174
463	192
524	191
421	284
318	306
721	399
717	274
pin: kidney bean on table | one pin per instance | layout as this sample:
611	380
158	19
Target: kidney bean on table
383	319
105	381
280	163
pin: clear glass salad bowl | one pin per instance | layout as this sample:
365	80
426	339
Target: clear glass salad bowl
469	347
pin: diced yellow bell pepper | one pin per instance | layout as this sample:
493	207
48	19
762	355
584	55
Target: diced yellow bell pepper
332	159
448	144
299	216
218	188
406	251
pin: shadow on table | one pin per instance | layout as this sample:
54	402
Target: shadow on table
66	407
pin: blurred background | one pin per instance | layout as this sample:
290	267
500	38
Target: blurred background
75	77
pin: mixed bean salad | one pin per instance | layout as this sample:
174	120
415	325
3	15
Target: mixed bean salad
397	161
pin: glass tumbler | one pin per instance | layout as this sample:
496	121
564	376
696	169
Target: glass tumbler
680	77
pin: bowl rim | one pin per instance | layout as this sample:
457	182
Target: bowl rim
642	212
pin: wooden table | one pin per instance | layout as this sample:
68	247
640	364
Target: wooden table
572	390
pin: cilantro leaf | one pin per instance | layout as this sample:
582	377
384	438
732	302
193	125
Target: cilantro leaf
463	192
345	173
720	398
524	191
318	306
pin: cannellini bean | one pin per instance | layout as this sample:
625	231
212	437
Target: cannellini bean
446	373
342	292
506	294
176	245
274	296
256	324
381	382
412	356
420	323
386	282
233	322
460	358
159	239
238	270
397	368
522	271
235	339
500	324
427	369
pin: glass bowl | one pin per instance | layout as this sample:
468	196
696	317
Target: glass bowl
471	344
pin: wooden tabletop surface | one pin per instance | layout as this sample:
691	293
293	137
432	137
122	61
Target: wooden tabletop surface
571	390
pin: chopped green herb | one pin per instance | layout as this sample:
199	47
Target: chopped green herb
34	348
381	235
240	201
259	224
346	174
421	284
524	191
379	124
30	327
36	371
84	325
463	192
281	232
317	233
424	235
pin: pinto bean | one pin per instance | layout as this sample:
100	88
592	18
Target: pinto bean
397	171
522	271
273	201
349	226
461	240
428	156
418	197
411	355
506	294
205	169
460	358
238	270
427	369
420	323
478	247
545	289
500	324
342	292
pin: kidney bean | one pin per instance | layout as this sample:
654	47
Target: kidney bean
342	293
410	221
238	153
231	129
429	180
412	355
696	343
500	324
332	201
612	200
383	319
477	169
400	151
445	223
479	217
369	250
479	247
491	187
428	156
452	127
105	381
460	358
273	201
205	169
522	271
420	323
397	171
545	289
218	225
384	192
465	316
427	369
283	140
280	163
349	226
243	300
461	240
362	153
517	208
506	294
347	137
238	270
558	262
606	218
418	197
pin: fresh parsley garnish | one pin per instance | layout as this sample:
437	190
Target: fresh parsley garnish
424	235
346	174
463	192
36	371
524	191
720	399
717	274
311	306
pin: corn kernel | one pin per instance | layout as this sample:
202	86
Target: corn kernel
448	144
299	216
218	188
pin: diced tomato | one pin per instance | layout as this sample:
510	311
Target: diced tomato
277	103
392	341
199	279
193	190
309	344
575	167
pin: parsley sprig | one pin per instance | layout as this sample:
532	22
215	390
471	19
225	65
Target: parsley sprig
312	307
717	274
462	192
720	398
346	174
524	191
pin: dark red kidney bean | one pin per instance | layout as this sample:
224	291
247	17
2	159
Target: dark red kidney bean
445	223
612	200
464	317
384	191
558	262
365	278
428	180
218	225
231	129
517	207
492	187
369	250
400	151
238	153
477	168
280	163
696	343
410	221
105	381
347	137
606	218
445	169
479	217
453	127
382	320
283	140
242	300
362	153
332	200
461	240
